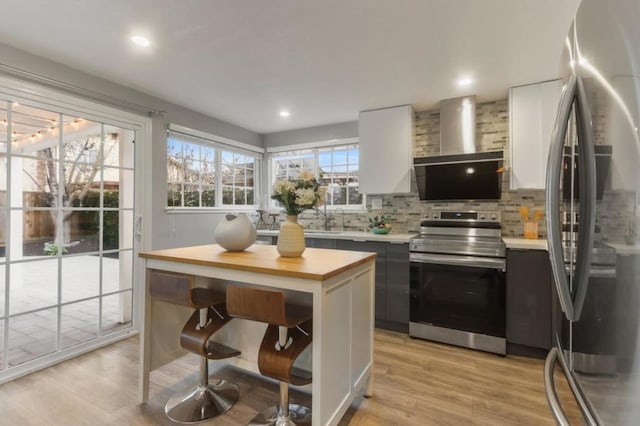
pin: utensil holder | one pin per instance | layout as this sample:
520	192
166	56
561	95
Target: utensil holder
531	230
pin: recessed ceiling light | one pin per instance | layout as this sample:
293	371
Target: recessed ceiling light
141	41
284	113
465	82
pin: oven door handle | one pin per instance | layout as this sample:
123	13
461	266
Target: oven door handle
470	261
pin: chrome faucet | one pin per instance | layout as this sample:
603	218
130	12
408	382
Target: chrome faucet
325	214
341	214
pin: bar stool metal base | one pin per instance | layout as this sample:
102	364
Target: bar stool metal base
199	403
298	415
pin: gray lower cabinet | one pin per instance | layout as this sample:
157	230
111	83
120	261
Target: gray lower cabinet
529	302
328	243
397	269
266	239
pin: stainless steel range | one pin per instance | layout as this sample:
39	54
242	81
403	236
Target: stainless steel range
457	279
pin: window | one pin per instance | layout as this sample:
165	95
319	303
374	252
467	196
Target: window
205	173
335	166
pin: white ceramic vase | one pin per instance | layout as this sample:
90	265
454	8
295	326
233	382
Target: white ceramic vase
291	238
235	233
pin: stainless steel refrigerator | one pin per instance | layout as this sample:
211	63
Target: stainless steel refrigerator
592	202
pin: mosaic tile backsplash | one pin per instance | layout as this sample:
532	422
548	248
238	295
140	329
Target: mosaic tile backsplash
615	217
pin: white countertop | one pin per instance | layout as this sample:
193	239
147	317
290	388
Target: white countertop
541	244
391	237
522	243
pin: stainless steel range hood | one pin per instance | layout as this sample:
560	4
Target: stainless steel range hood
458	125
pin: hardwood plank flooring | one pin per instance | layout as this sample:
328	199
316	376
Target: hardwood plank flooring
416	383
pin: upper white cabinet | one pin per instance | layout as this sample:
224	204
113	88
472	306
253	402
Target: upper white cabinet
386	150
532	114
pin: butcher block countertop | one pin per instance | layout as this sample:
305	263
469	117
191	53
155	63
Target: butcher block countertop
314	264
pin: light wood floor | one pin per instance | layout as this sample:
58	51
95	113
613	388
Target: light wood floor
416	383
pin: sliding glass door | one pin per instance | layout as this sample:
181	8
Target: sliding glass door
66	233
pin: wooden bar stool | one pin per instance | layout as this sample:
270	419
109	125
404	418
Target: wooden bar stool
203	401
289	332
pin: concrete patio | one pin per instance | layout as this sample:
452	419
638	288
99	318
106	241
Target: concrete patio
34	286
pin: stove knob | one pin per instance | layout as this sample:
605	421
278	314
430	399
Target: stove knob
494	217
482	217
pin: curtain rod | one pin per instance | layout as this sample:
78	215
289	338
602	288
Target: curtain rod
72	88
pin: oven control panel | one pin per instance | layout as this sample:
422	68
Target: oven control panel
492	216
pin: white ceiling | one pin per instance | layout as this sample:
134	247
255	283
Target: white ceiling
244	60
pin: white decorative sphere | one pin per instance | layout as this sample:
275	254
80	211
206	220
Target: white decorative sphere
235	233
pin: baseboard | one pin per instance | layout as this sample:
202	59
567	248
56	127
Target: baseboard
528	351
393	326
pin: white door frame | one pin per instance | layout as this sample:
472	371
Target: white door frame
20	91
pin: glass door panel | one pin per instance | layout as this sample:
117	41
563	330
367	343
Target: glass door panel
82	231
116	273
80	277
79	322
32	335
118	189
117	229
2	345
33	285
32	234
67	188
3	287
116	311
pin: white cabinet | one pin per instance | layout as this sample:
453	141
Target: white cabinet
532	114
386	150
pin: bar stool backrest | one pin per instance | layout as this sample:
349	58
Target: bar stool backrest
255	304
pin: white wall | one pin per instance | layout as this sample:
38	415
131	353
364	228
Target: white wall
190	229
312	134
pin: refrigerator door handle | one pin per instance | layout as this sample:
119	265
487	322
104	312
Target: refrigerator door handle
552	195
550	389
587	179
589	416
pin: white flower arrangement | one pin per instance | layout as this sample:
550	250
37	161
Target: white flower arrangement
298	194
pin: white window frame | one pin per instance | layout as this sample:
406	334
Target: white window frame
315	147
220	144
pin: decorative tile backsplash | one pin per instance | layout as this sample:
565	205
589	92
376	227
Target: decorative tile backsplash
616	213
492	133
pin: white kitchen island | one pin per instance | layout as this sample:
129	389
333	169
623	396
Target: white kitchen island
338	284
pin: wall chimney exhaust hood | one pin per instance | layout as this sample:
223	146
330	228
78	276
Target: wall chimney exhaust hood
459	173
458	125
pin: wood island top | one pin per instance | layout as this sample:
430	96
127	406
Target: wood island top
314	264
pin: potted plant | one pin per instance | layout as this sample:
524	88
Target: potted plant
379	224
298	194
295	195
